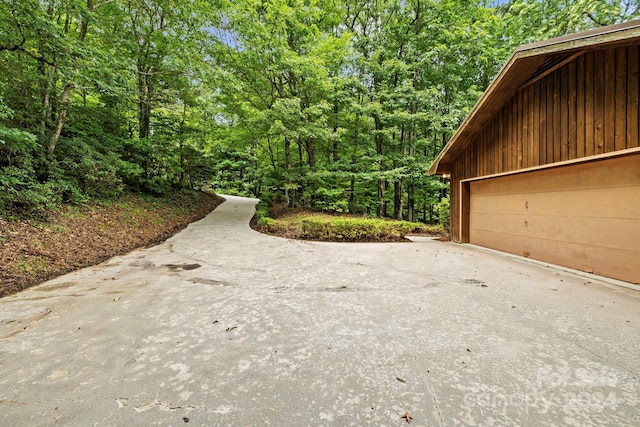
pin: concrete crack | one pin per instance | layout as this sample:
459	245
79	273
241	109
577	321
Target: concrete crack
15	402
435	405
123	402
599	356
29	322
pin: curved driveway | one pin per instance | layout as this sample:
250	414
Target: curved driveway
221	325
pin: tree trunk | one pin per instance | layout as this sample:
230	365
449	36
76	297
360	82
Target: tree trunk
272	158
182	162
311	154
64	100
382	207
300	155
46	83
45	118
424	212
352	194
62	116
412	153
287	168
335	133
145	95
287	155
183	165
380	152
398	198
299	190
411	201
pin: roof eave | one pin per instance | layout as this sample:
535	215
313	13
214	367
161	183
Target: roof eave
522	63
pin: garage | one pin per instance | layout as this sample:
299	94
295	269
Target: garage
547	163
585	216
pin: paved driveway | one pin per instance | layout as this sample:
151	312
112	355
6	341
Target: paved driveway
224	326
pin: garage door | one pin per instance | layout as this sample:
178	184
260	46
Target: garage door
584	216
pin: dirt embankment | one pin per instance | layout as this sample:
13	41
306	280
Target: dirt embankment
32	251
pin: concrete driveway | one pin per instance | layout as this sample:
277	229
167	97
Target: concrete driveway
221	325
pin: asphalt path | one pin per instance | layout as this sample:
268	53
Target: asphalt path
221	325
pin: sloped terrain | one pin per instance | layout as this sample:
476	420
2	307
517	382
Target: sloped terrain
32	251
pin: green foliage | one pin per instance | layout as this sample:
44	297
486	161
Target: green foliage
234	172
347	229
262	218
23	194
335	106
266	222
339	228
532	20
86	171
443	209
331	200
20	190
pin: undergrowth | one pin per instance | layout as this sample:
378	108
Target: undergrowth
325	227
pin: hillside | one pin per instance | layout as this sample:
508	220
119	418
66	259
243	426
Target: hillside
32	251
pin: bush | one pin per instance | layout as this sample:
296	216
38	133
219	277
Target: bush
21	193
93	174
321	226
359	229
331	200
20	189
266	222
442	209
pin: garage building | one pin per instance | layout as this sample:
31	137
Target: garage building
547	164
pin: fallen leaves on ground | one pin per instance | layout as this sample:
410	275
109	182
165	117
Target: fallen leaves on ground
33	251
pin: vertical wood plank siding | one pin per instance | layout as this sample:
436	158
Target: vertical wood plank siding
589	106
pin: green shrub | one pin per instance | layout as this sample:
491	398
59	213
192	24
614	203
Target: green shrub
266	222
85	171
20	189
331	200
318	226
442	209
349	229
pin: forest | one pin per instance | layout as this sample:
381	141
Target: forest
335	105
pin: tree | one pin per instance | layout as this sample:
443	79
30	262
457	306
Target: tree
53	34
329	104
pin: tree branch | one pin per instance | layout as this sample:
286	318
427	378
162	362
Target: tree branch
21	48
102	4
595	21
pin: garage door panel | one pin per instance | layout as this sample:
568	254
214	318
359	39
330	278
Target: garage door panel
617	263
584	216
597	174
613	202
621	233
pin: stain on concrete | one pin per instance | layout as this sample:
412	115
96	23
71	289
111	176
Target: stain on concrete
55	287
213	282
180	267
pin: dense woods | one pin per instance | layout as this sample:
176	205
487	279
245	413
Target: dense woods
330	104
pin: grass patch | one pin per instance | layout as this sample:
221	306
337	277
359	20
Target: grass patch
61	228
335	228
74	212
31	265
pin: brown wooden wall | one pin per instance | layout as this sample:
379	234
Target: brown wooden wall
587	107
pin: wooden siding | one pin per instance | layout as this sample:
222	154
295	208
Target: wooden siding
587	107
